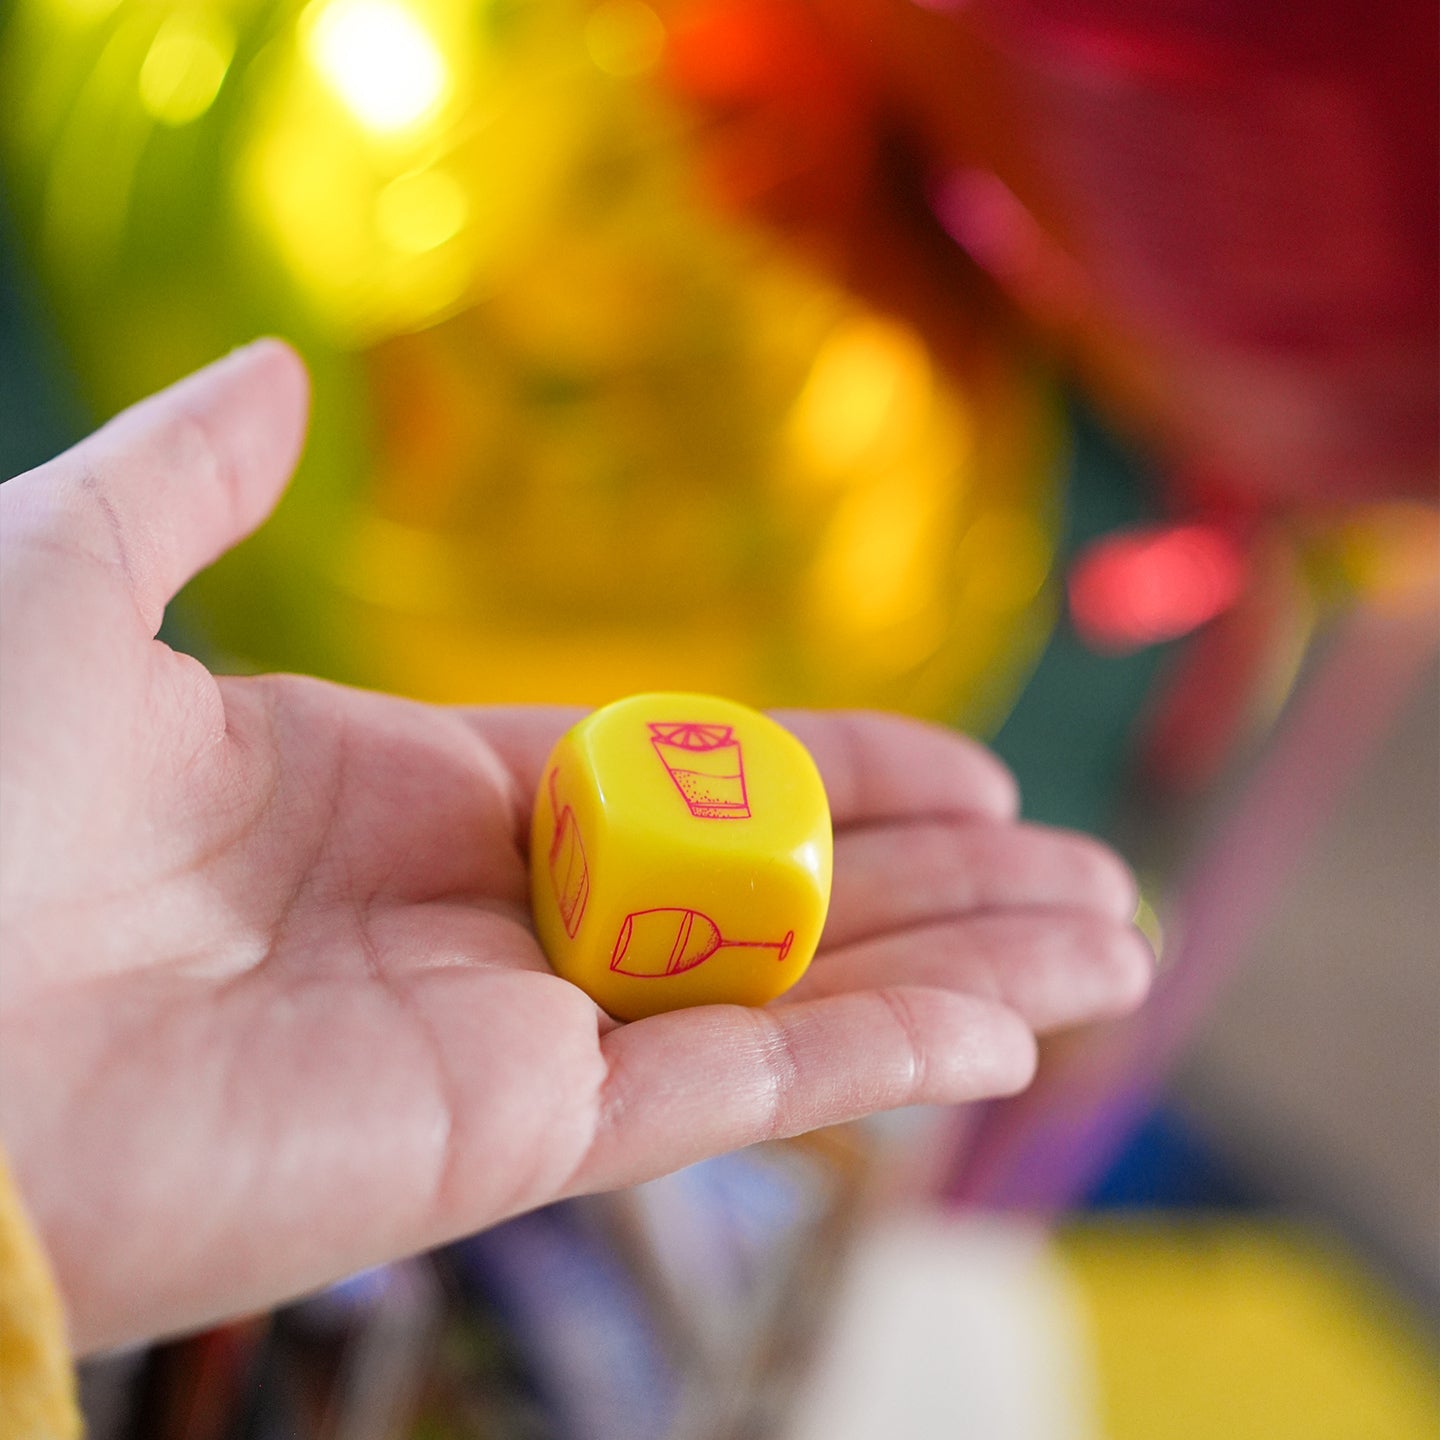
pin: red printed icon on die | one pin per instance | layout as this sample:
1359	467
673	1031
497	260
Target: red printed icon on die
706	765
670	940
569	871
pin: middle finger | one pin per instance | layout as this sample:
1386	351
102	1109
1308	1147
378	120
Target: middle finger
889	877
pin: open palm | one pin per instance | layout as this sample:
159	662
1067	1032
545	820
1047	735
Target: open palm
271	1007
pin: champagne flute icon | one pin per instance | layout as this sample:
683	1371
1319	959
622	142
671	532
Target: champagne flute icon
671	940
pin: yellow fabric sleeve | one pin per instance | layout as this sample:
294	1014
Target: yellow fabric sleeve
37	1383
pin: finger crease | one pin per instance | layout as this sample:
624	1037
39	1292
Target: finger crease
904	1019
782	1072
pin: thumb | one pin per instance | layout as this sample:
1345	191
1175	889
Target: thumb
172	483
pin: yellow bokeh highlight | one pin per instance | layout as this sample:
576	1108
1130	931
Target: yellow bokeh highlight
1390	555
381	60
385	232
421	211
869	384
371	251
84	12
1214	1328
1147	921
680	855
624	38
318	192
1005	559
876	572
185	66
569	384
893	450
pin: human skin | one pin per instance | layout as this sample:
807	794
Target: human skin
271	1007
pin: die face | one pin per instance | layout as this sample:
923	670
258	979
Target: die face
567	834
681	855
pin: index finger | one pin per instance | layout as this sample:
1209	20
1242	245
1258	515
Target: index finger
880	767
876	767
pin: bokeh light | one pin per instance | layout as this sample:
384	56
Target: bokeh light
185	66
579	428
1137	589
379	59
624	37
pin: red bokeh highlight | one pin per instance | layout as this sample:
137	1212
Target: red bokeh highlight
1145	586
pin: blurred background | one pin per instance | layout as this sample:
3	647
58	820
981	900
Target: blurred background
1063	372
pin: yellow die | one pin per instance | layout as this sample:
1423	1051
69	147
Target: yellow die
680	854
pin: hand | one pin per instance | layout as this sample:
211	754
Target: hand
271	1008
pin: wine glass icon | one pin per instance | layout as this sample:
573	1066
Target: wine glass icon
670	940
